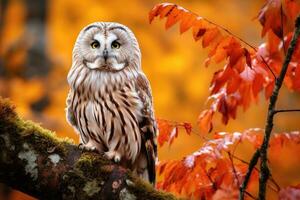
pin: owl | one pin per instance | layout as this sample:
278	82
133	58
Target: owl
110	102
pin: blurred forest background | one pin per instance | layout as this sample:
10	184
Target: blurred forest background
36	41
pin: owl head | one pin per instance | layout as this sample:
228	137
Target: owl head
107	47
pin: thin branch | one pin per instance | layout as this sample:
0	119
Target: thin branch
268	66
252	164
236	176
265	172
250	195
210	179
233	168
286	110
272	180
230	33
278	188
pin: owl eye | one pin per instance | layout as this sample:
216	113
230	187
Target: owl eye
115	45
95	44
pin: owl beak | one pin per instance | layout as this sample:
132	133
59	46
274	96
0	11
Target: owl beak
105	54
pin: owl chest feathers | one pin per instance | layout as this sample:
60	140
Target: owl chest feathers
108	118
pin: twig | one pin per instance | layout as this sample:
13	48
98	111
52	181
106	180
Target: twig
233	168
268	66
230	33
256	169
252	164
286	110
236	176
210	179
250	195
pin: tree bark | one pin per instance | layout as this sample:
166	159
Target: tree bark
33	160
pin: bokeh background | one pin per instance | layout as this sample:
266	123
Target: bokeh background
36	41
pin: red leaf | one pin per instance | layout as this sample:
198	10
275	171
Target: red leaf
269	89
165	129
257	85
233	84
165	10
219	79
154	12
270	17
205	121
187	22
290	193
173	135
173	17
292	8
198	29
296	79
209	36
248	57
188	128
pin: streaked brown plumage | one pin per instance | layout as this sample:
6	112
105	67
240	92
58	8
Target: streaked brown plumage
110	101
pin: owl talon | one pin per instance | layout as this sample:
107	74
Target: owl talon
83	147
113	155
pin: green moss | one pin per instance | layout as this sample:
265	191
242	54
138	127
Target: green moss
46	140
141	189
88	162
42	139
91	188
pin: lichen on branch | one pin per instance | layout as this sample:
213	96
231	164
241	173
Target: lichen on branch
35	161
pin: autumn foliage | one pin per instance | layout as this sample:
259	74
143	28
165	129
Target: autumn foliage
214	171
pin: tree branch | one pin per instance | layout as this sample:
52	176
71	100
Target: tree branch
286	110
252	164
265	172
263	151
35	161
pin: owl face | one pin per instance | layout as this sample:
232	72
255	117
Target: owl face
105	46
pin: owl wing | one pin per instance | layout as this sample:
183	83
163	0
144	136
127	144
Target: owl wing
70	113
147	125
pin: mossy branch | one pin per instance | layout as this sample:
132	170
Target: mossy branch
35	161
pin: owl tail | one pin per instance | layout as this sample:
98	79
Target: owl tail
145	168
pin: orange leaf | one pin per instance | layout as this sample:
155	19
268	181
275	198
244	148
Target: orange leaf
165	129
187	127
269	89
248	57
209	36
257	85
290	193
198	29
233	84
173	135
296	79
219	79
165	10
205	120
187	22
154	12
173	17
